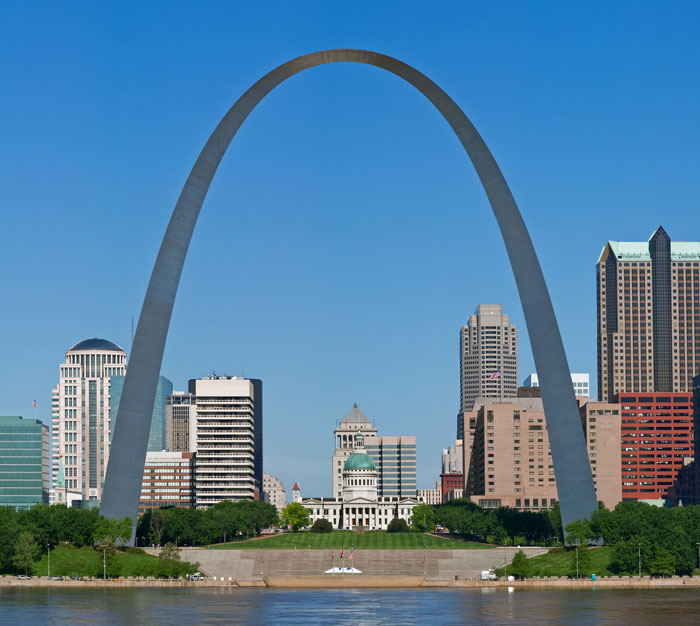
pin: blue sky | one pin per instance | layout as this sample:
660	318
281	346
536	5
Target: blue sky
345	237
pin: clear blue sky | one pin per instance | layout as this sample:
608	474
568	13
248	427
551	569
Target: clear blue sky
346	237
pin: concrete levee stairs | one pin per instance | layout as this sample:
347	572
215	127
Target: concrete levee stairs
433	564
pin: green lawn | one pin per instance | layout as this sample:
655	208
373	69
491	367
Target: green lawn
69	561
338	539
557	562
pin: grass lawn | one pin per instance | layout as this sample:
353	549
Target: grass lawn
372	540
68	561
557	562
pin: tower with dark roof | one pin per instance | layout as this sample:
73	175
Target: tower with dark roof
344	436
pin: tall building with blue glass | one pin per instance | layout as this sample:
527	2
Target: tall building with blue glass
159	437
24	462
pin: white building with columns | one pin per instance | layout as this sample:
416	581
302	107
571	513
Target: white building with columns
359	507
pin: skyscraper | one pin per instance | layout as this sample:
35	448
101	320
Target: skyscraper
81	425
180	411
648	316
581	383
488	351
227	437
24	462
159	437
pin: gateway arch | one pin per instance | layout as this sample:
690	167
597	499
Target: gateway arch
122	485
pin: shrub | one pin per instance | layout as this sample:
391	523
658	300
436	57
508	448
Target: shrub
398	525
322	526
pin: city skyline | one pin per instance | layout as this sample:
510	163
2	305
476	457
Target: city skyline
361	326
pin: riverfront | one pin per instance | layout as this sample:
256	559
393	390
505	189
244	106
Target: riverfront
488	605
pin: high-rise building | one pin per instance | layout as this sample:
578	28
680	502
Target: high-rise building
657	438
393	456
488	357
227	437
695	479
648	316
159	436
581	383
81	424
168	480
344	438
453	459
180	411
24	462
395	460
511	462
274	492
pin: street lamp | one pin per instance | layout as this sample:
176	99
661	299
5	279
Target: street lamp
639	558
577	561
104	563
698	545
48	554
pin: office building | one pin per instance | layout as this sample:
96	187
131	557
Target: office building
656	443
451	486
168	480
695	479
227	436
488	359
433	497
581	383
453	459
511	463
159	436
81	422
395	460
274	492
24	462
180	410
648	316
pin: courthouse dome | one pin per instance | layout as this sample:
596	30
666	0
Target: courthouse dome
95	344
360	461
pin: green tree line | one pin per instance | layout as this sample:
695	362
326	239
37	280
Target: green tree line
226	521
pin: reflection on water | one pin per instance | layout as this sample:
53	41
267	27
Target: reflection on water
359	607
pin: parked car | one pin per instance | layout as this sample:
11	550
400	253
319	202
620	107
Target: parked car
74	577
488	574
56	578
23	577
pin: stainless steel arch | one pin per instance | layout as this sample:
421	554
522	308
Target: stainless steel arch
128	450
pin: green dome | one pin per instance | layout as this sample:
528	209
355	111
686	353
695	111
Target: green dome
360	461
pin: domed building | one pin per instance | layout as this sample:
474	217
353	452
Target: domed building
359	507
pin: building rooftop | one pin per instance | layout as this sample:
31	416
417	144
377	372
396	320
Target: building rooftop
639	250
355	416
360	461
95	344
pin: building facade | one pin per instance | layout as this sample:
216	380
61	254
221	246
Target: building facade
168	480
656	443
24	462
581	383
274	492
648	316
453	459
159	436
81	418
359	506
433	497
488	358
511	463
180	411
226	434
395	460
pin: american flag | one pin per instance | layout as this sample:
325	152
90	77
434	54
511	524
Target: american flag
34	403
495	375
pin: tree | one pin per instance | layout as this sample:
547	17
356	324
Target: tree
423	518
158	524
26	551
296	516
664	563
322	526
112	530
520	566
398	525
170	551
580	564
579	533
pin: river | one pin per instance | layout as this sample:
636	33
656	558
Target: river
358	607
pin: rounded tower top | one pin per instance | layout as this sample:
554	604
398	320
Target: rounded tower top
95	344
